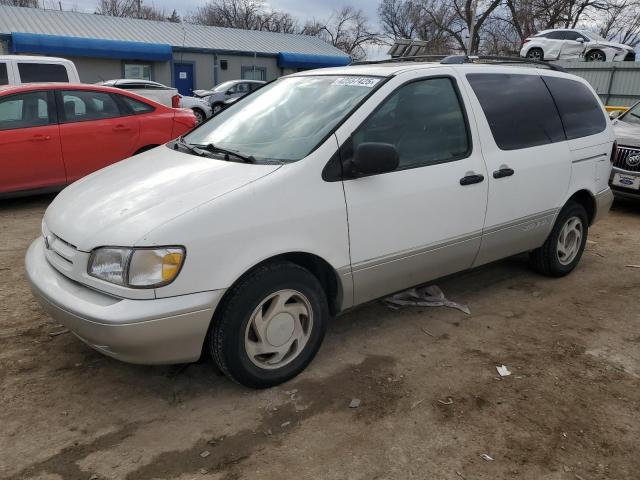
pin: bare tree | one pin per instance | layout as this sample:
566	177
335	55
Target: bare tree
400	18
621	22
244	14
347	29
133	9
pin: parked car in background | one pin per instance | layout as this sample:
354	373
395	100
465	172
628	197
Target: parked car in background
155	91
164	95
53	134
17	69
574	44
227	90
625	176
321	191
200	107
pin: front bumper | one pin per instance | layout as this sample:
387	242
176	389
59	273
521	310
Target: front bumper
157	331
621	192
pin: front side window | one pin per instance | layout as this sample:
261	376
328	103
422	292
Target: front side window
579	109
137	71
84	105
423	120
42	72
24	110
519	109
573	36
285	120
4	75
557	35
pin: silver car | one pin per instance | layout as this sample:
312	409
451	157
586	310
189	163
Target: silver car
625	176
227	90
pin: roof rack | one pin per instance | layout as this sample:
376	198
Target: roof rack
461	59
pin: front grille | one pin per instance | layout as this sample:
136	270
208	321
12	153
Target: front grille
623	156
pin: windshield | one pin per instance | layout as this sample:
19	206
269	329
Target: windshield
223	87
286	119
632	115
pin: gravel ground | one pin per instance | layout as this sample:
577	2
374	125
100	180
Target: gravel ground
431	401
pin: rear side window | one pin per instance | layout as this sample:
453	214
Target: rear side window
42	72
580	111
83	105
4	76
24	110
136	106
520	111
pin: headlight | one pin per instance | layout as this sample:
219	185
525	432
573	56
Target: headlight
136	267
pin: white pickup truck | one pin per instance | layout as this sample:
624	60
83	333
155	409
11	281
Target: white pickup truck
17	69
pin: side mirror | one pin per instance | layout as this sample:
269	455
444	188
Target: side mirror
229	92
580	40
372	158
615	114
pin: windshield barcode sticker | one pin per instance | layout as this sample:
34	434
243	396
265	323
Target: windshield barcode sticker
367	82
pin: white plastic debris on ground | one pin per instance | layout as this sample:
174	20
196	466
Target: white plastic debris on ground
430	296
503	371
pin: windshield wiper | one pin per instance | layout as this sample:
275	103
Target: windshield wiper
210	147
188	146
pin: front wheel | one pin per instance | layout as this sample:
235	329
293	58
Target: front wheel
596	56
200	116
270	326
563	249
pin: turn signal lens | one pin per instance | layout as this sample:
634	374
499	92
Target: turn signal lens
171	264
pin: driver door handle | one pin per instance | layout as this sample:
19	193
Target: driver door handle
471	179
503	172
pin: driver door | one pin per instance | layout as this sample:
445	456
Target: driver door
423	220
573	46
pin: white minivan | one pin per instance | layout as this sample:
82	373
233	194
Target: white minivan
17	69
321	191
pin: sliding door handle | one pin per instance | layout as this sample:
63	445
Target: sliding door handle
503	172
471	179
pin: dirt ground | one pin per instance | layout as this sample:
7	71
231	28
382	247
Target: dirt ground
431	400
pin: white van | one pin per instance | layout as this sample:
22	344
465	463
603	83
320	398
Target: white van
17	69
319	192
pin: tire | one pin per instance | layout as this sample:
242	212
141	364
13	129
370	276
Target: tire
536	54
549	259
269	294
200	116
595	56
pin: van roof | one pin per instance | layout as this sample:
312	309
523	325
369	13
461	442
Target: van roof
34	58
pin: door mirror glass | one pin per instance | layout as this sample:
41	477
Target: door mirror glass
372	158
580	40
231	91
615	114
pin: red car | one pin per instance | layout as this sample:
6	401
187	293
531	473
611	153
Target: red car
54	134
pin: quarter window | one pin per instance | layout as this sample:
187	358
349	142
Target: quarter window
83	105
425	122
42	72
519	109
580	110
4	77
136	106
24	111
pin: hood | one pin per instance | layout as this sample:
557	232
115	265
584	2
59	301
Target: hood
119	204
606	43
627	133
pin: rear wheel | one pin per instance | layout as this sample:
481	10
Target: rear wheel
270	325
535	54
563	249
596	56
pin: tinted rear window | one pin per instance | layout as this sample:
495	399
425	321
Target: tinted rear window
42	72
4	78
580	110
519	109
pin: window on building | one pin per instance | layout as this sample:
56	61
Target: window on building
4	76
83	105
24	110
425	122
519	109
138	71
42	72
254	73
136	106
580	110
